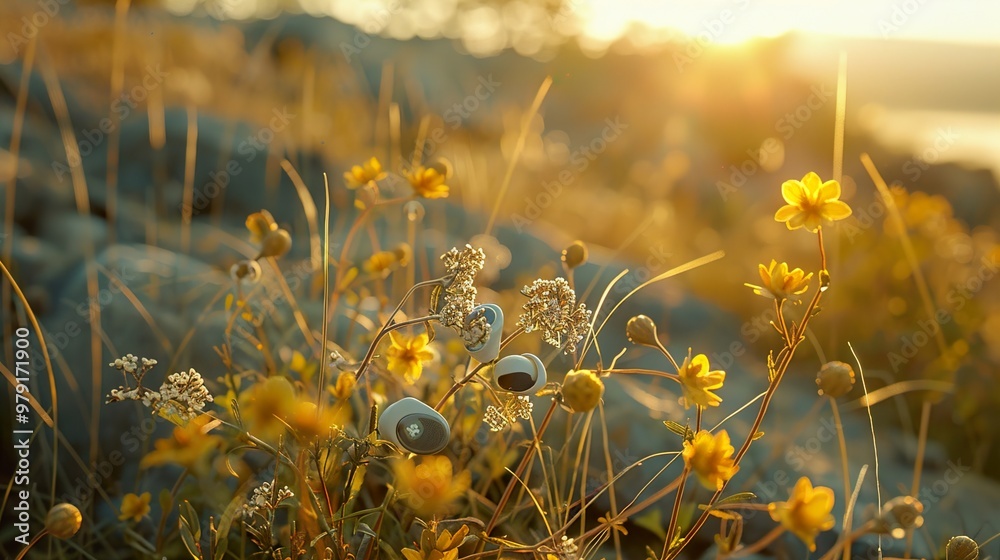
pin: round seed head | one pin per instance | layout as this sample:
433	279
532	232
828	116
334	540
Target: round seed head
835	379
575	255
961	548
582	390
63	521
276	243
642	330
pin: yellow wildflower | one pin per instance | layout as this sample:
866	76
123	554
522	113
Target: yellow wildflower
810	201
710	457
310	425
188	446
135	507
427	182
361	175
430	487
302	366
438	547
407	356
383	262
780	283
698	382
265	406
807	511
344	387
613	523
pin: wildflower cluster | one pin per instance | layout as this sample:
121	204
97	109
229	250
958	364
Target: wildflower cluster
552	309
460	293
367	479
266	497
181	397
519	406
427	182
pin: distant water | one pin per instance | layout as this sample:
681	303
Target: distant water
963	137
938	101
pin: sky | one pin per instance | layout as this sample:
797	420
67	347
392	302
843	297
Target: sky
603	21
733	21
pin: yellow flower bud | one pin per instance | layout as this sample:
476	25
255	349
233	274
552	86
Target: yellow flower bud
63	521
642	330
835	379
276	243
575	255
259	224
582	390
344	386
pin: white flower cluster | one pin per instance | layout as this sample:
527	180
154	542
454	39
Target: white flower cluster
129	364
262	499
182	395
552	309
517	407
567	548
460	293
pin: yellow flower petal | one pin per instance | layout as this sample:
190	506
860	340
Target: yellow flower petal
807	511
785	213
836	210
829	190
793	192
811	182
796	221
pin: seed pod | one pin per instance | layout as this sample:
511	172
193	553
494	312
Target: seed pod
259	224
835	379
961	548
582	390
642	330
276	243
63	521
575	255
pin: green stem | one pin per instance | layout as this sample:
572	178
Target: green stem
790	345
495	518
